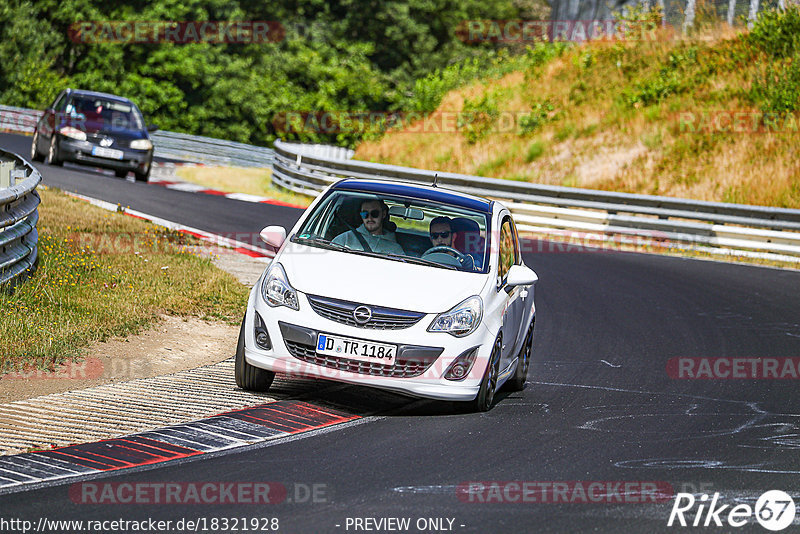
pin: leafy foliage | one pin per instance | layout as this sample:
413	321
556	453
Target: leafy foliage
542	113
777	34
354	55
478	117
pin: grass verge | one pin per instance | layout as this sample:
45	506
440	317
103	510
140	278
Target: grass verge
104	274
252	181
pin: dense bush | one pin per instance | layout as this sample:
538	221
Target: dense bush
351	55
777	34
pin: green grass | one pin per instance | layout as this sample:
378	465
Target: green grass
105	274
535	150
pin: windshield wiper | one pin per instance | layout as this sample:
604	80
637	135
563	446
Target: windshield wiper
419	261
320	242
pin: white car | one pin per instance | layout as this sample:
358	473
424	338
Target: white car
372	288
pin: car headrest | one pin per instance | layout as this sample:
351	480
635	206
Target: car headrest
462	224
467	235
348	212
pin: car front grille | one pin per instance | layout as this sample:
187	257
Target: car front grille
401	369
341	311
118	143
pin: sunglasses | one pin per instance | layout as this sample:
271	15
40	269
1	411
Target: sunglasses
374	214
437	235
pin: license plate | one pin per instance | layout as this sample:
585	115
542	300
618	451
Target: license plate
107	152
356	349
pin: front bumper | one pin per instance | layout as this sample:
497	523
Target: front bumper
81	152
422	358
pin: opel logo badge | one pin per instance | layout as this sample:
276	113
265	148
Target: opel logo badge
106	141
362	314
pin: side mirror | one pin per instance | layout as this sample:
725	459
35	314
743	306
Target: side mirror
273	236
152	128
519	275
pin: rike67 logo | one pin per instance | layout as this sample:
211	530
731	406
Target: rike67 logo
774	510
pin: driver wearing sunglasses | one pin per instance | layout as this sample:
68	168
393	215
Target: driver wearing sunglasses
374	215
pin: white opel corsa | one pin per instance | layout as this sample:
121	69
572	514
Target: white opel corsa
415	289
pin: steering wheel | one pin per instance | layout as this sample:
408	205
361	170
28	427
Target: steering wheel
444	248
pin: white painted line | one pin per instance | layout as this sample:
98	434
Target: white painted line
190	188
246	198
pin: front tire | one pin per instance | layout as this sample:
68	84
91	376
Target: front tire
143	176
517	382
250	377
483	401
35	154
52	155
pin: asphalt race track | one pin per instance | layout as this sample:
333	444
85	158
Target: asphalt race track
600	406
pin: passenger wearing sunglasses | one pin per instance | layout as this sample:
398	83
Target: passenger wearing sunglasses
441	234
372	232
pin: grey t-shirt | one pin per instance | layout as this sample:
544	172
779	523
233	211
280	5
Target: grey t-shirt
385	243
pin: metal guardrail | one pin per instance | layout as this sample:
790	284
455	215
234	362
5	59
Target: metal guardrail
18	217
199	149
555	210
170	145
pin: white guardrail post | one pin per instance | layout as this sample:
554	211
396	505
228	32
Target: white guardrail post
573	214
19	214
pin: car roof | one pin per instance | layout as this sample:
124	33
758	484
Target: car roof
97	94
423	192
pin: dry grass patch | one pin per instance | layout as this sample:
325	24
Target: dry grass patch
104	274
608	119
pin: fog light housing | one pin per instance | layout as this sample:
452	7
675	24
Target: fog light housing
462	365
261	334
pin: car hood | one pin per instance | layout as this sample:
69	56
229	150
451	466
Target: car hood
377	281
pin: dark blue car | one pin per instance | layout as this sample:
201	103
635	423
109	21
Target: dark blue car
96	129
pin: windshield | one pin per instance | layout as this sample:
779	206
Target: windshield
106	112
399	229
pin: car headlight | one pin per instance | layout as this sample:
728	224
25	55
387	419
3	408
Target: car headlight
276	289
72	133
141	144
461	320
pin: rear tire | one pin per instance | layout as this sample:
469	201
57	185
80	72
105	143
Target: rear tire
121	174
35	154
517	382
485	398
250	377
